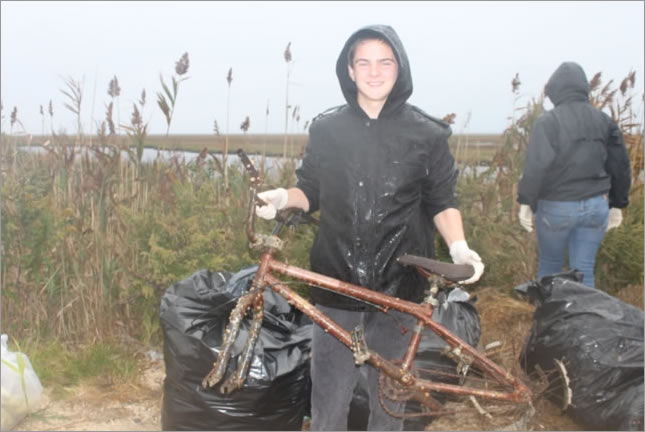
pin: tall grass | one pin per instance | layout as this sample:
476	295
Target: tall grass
92	238
91	241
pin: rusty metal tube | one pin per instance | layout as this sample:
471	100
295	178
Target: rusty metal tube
232	329
236	380
421	312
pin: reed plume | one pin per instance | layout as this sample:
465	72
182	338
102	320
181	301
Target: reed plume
136	119
595	81
50	110
142	100
229	80
246	124
42	117
137	129
627	82
515	90
181	66
14	116
167	99
288	59
108	119
515	83
114	91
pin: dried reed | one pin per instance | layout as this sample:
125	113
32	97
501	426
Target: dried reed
114	91
167	99
288	61
74	93
229	80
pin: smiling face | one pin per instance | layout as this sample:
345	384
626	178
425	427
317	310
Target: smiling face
374	70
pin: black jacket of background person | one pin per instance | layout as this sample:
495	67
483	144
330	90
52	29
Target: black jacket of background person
575	150
378	184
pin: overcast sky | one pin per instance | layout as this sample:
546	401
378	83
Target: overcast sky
463	57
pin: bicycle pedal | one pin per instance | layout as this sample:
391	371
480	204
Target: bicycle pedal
462	371
359	346
463	361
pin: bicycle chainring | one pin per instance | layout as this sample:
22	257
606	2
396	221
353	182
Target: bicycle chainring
392	392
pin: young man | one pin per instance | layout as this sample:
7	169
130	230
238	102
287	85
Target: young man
381	173
576	169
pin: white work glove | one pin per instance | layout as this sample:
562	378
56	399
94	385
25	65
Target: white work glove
526	217
615	218
276	199
461	254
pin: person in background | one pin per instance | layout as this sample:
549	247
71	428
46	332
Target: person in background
576	176
381	173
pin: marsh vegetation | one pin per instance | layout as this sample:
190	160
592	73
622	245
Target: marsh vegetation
92	235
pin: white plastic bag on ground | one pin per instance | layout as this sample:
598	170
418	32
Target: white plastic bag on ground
21	388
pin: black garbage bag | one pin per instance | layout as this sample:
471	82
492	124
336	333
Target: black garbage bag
275	396
457	314
599	339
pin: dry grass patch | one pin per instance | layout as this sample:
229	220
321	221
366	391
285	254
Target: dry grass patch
506	320
632	294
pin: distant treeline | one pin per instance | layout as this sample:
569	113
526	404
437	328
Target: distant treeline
270	144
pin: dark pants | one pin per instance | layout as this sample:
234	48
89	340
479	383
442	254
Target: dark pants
334	373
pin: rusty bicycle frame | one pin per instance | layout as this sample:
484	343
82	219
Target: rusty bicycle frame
399	370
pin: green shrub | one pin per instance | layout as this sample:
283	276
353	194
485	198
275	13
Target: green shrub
619	262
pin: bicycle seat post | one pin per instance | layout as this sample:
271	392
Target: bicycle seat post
431	298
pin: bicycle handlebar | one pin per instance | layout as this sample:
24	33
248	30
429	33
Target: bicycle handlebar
289	216
248	165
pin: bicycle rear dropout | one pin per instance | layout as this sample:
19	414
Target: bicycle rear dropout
471	374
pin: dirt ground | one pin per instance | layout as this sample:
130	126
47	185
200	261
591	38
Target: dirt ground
104	406
135	406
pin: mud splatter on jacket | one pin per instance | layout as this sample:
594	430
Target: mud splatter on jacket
378	183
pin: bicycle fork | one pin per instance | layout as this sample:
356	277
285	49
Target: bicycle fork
255	299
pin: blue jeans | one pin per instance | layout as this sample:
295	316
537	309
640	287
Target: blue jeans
334	373
570	228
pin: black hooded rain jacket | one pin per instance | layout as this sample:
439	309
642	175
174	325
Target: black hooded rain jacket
378	183
575	150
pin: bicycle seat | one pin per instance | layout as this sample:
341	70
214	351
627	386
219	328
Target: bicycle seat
448	271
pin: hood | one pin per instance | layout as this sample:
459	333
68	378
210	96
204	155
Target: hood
402	88
567	83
